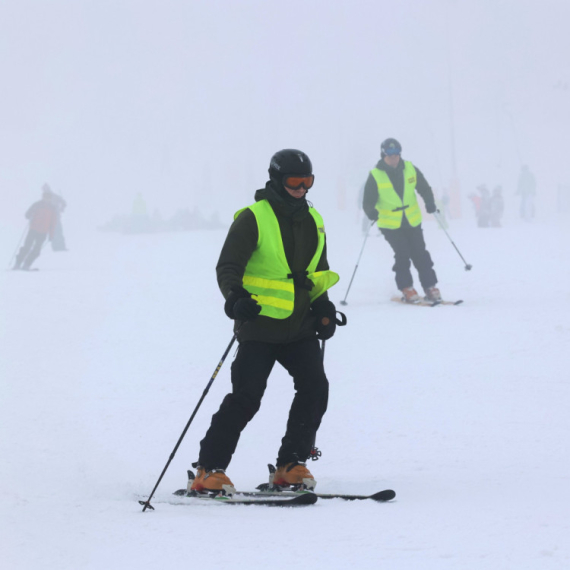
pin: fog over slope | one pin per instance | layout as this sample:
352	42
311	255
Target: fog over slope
186	101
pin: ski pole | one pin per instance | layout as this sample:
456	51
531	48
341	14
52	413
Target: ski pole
147	502
467	265
343	302
315	452
18	246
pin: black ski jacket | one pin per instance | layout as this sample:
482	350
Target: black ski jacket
299	234
396	176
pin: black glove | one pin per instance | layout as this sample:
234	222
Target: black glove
324	312
430	208
240	306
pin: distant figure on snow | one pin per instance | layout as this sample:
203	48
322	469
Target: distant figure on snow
484	213
482	205
43	216
497	207
526	189
57	239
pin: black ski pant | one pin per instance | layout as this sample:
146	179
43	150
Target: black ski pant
409	246
250	371
31	249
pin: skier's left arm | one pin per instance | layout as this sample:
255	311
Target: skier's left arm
425	191
323	265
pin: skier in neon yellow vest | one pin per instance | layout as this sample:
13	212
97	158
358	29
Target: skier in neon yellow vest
274	275
390	199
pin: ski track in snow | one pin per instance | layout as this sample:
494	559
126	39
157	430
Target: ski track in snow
462	410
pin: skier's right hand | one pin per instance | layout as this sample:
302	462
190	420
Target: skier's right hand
246	309
240	306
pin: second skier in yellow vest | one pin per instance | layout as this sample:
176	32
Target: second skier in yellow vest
390	199
274	274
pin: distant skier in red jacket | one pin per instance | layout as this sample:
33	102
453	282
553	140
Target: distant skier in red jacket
43	216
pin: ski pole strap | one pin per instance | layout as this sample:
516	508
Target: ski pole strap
342	321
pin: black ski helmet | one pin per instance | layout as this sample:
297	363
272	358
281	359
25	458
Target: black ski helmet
390	147
289	161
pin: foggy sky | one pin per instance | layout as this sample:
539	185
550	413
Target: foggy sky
187	101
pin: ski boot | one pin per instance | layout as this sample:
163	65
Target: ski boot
214	482
292	476
433	295
410	295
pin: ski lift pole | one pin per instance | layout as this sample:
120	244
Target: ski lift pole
343	302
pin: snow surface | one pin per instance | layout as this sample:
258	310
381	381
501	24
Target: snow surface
462	410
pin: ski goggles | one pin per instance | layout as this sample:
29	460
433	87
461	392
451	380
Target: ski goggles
295	182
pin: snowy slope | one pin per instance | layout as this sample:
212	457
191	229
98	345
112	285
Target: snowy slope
462	410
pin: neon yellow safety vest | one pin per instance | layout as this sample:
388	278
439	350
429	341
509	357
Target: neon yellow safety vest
267	274
390	206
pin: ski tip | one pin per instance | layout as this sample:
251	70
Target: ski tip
386	495
303	499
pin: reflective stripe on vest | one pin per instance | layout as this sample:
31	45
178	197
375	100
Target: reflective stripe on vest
267	272
389	205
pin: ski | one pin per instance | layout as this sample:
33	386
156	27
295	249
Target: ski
425	303
380	496
272	495
260	499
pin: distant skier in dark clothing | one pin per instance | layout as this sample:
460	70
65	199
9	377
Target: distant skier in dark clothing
390	198
274	275
526	189
484	208
57	239
497	207
43	219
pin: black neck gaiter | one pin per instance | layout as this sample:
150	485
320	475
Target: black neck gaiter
280	199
